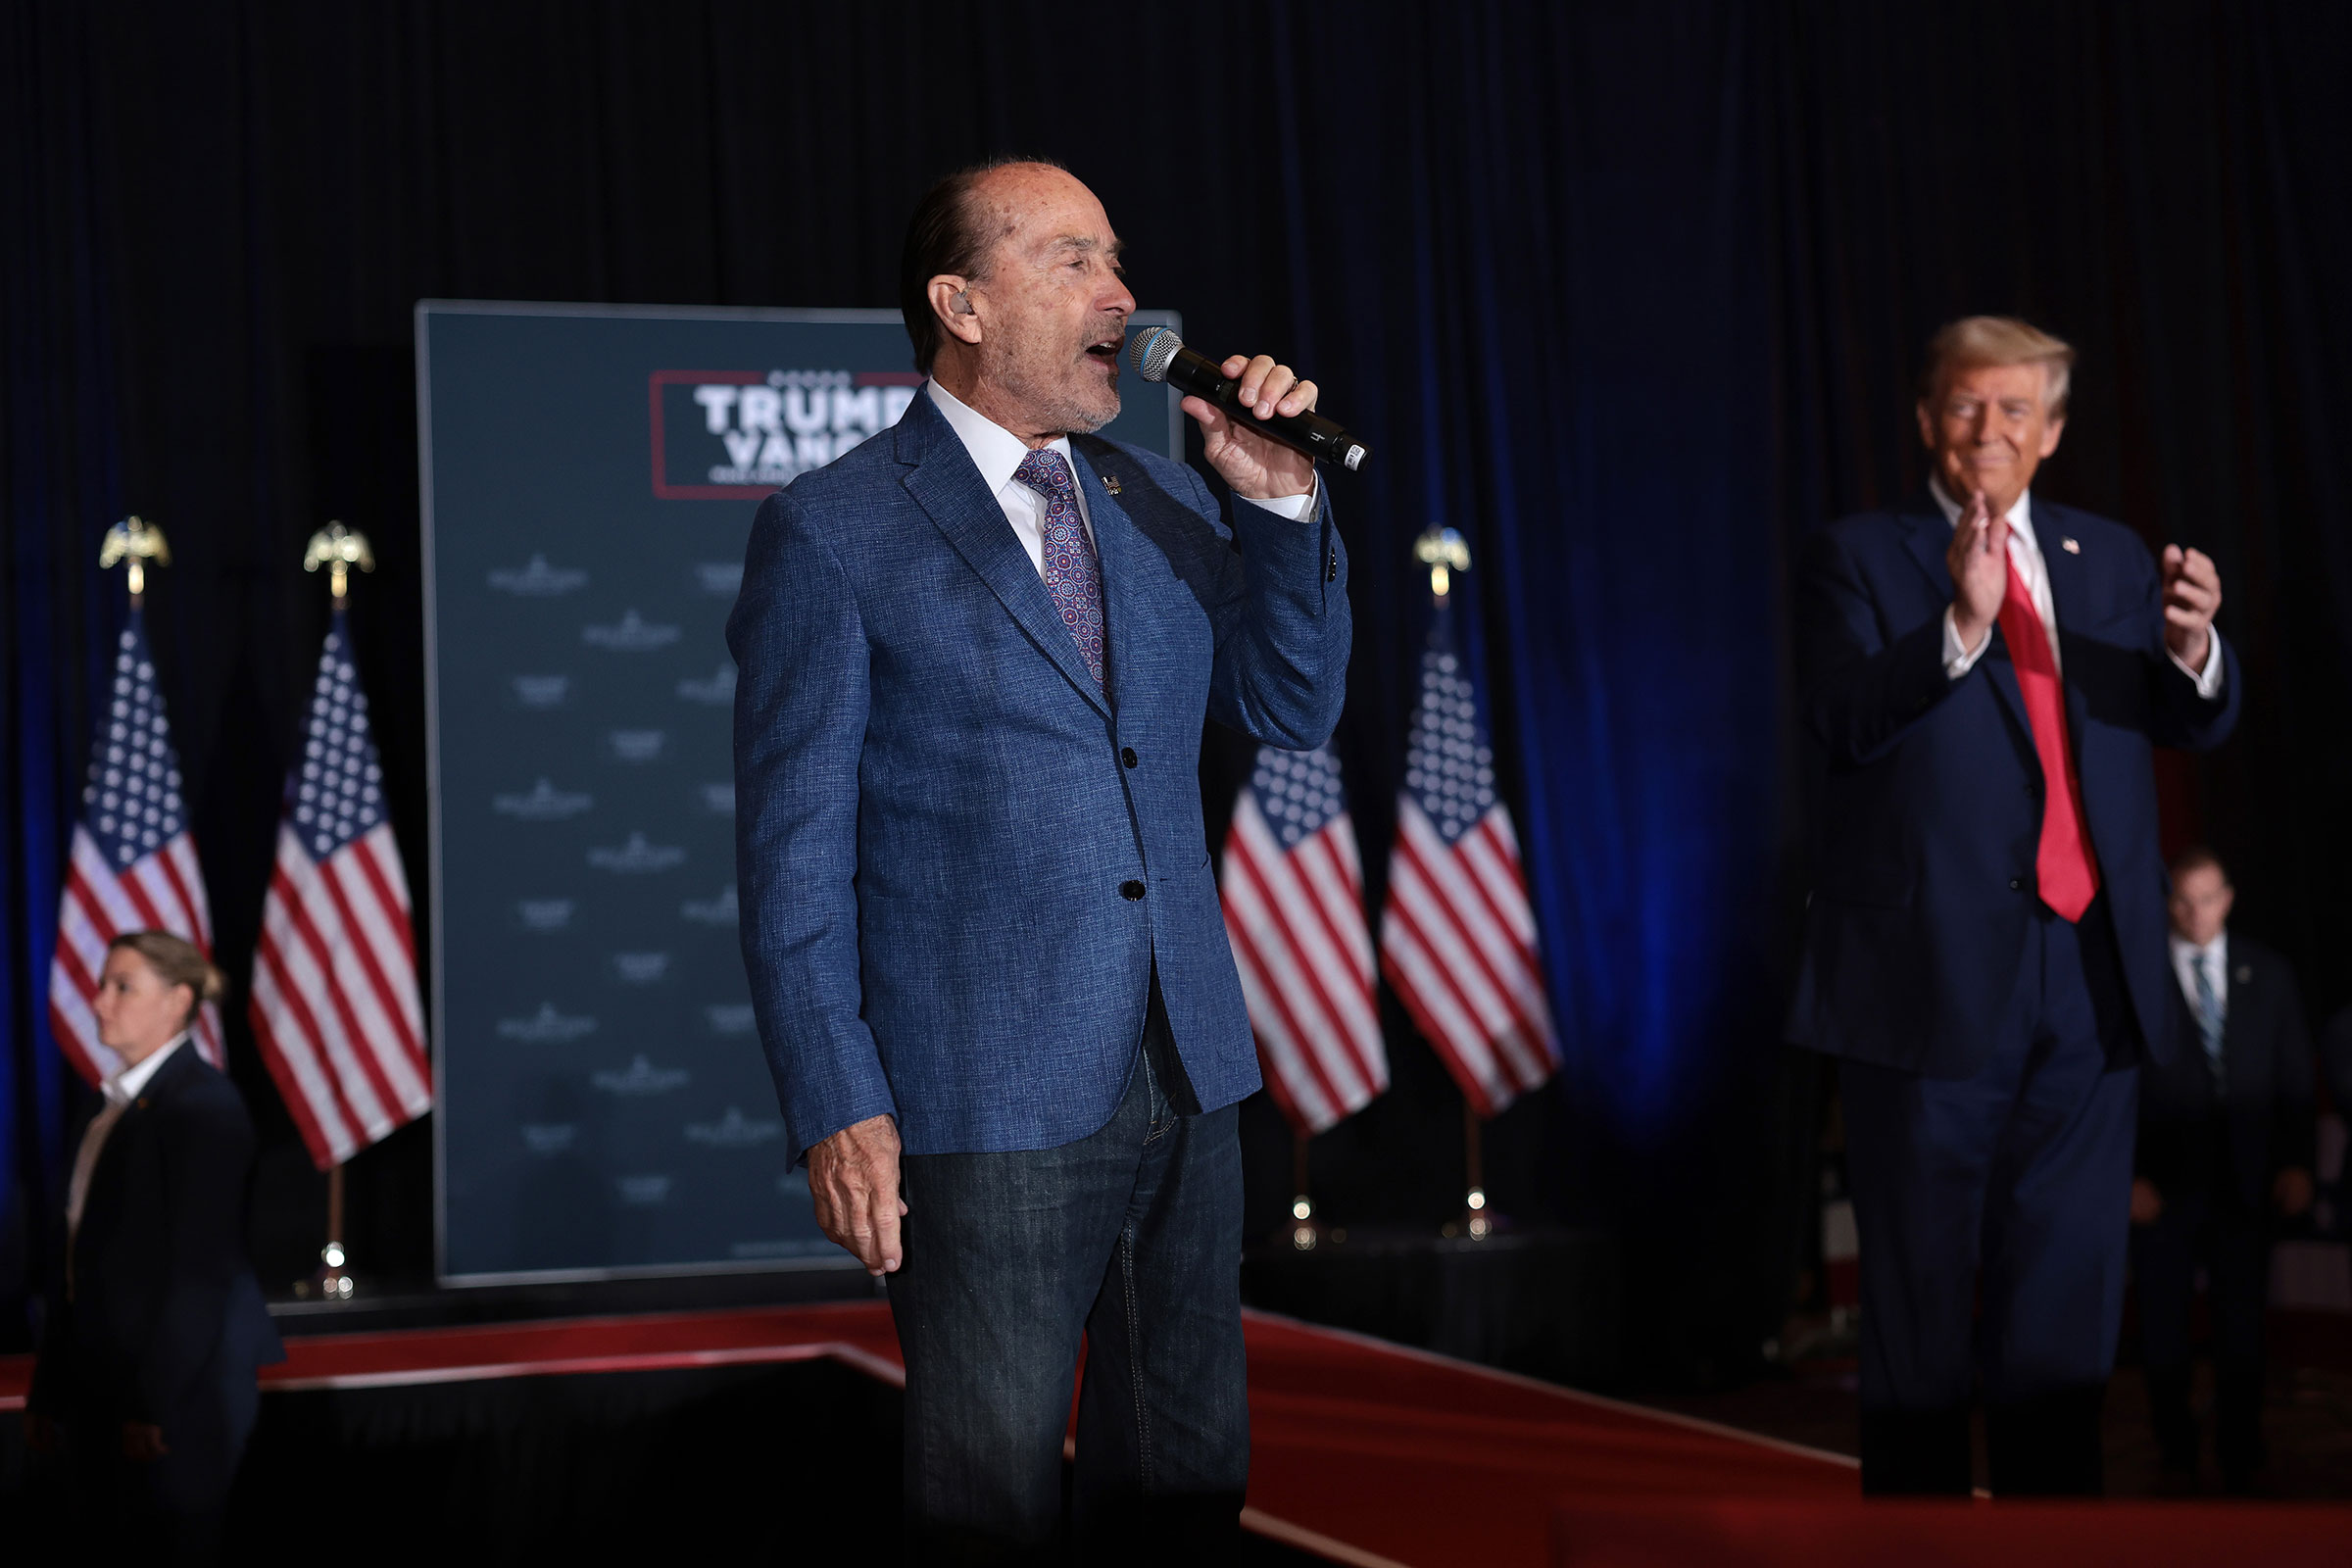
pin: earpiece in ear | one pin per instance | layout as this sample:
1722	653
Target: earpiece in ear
964	302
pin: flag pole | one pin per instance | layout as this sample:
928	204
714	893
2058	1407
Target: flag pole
1444	552
339	549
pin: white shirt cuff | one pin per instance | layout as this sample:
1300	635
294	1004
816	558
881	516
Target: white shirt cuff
1295	508
2208	679
1959	660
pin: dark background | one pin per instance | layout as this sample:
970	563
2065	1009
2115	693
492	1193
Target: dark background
1632	297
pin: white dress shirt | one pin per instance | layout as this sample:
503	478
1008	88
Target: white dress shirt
2025	553
998	453
120	1091
2214	959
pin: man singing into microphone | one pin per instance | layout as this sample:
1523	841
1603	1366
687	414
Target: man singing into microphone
983	937
1986	942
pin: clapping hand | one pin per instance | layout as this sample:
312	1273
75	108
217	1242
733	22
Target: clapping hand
1978	561
2193	592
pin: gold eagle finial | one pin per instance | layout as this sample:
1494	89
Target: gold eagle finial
1444	552
340	548
137	541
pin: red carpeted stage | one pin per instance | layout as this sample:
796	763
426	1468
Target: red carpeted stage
1370	1453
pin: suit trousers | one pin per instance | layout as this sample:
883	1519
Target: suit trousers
1131	1237
167	1511
1992	1215
2217	1231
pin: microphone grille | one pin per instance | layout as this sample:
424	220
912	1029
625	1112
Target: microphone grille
1153	351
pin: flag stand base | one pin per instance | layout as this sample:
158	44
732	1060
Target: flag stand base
333	1281
1478	1219
1305	1231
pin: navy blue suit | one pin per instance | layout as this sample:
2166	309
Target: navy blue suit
1992	1048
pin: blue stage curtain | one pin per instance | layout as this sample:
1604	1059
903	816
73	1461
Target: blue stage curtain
57	413
1632	296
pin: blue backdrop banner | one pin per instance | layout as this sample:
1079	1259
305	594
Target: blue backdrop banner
589	478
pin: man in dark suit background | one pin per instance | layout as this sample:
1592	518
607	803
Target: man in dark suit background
1985	944
145	1378
2227	1132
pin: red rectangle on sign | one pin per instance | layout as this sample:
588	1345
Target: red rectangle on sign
662	488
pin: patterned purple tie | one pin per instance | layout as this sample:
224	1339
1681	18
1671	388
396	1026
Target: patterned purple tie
1072	573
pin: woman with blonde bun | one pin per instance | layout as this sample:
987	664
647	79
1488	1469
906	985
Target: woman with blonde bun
144	1387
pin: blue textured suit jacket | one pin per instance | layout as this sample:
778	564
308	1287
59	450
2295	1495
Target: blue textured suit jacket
1931	815
940	820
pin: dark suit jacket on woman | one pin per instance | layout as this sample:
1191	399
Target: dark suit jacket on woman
163	1321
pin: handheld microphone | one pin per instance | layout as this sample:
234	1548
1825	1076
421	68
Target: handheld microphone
1159	355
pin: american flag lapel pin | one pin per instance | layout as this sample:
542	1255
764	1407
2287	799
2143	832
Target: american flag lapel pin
2071	547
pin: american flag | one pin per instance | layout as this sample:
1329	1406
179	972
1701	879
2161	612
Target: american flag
1457	938
133	866
1293	895
335	1008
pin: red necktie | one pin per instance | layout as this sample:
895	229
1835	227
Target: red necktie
2064	866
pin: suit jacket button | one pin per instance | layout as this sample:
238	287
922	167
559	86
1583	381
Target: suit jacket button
2017	884
1131	890
1127	756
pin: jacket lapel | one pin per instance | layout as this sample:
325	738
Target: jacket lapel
167	1082
1122	547
946	485
2070	598
1929	539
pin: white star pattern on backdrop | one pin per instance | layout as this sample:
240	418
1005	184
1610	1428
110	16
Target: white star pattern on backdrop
132	803
1447	764
1297	792
341	793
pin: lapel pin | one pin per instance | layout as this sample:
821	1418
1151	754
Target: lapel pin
2244	975
1111	482
2070	546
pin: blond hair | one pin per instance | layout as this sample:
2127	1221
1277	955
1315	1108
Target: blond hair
1976	341
176	961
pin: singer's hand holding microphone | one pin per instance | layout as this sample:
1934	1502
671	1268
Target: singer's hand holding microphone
1258	421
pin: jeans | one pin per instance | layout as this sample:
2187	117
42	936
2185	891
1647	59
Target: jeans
1132	1237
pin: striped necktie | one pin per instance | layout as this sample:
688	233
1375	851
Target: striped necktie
2210	1016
